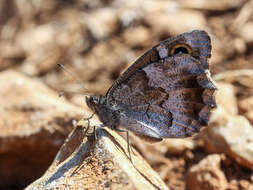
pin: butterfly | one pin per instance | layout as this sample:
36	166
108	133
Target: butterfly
165	93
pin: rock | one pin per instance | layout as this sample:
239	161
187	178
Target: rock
34	122
106	60
207	174
232	135
6	15
178	146
102	22
97	163
228	132
154	151
136	36
244	184
47	44
241	80
164	22
240	45
215	5
245	31
225	97
247	106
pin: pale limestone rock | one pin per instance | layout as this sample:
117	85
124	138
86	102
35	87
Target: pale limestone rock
185	21
247	106
102	22
110	168
225	97
207	174
228	132
246	32
221	5
136	36
232	135
155	151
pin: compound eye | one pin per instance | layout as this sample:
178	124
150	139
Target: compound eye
180	48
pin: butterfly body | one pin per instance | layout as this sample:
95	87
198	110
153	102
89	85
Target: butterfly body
166	93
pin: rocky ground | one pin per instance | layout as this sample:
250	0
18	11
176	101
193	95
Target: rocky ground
96	40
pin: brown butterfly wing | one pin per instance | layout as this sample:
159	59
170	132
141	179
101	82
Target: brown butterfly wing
198	40
170	95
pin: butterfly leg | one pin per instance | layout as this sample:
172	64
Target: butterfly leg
88	126
94	127
128	142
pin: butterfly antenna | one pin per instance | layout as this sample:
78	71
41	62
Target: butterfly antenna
77	80
63	92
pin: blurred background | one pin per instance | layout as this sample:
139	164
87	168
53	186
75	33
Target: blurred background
96	40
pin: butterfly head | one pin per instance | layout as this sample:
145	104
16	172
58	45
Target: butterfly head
93	102
104	111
